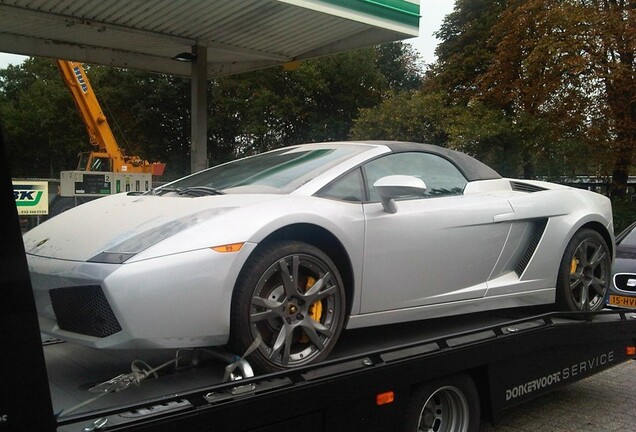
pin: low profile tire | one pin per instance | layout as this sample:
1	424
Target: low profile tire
291	295
446	405
584	273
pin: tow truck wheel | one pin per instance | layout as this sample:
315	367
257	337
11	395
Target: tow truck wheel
446	405
584	274
290	296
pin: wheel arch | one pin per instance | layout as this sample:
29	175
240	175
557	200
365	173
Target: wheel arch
600	228
463	382
324	240
569	295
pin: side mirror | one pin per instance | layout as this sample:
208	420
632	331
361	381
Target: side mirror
396	186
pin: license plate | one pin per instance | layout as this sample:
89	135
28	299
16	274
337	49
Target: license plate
622	301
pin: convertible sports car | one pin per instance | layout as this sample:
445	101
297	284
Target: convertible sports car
289	247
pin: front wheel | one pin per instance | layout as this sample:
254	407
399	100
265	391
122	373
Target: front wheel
447	405
585	273
291	296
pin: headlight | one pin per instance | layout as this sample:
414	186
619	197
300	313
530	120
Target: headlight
121	252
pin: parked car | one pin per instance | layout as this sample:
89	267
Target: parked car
289	247
623	289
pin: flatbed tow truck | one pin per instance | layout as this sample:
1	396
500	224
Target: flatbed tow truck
436	375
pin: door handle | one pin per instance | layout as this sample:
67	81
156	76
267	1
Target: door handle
504	217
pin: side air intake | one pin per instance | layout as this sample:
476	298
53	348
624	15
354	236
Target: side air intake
535	237
525	187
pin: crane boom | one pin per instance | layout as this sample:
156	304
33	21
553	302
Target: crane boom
108	156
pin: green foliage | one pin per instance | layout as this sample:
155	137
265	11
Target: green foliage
271	108
624	213
40	120
150	113
407	116
532	87
466	49
397	63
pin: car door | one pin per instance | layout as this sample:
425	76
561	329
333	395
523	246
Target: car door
437	248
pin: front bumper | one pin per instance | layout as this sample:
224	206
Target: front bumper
174	301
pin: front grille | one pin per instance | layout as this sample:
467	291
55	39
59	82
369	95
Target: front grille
535	237
625	281
84	310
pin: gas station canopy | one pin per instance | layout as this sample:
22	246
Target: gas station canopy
200	38
237	35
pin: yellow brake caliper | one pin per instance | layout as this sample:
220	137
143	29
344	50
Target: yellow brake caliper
573	265
315	310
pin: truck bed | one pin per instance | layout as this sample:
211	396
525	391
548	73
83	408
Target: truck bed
73	369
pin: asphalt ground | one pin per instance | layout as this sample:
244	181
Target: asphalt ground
605	402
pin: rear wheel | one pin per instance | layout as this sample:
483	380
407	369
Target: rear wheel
447	405
291	296
585	273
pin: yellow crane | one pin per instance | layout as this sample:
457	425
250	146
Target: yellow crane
108	156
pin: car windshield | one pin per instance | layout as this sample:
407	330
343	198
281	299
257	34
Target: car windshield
279	171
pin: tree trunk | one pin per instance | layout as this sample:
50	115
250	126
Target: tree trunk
620	175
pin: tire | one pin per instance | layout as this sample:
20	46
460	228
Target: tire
584	273
299	321
446	405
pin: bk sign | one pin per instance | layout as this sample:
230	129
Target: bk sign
31	197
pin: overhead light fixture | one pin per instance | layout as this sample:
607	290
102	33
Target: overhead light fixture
185	57
291	65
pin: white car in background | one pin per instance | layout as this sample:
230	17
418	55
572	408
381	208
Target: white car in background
293	245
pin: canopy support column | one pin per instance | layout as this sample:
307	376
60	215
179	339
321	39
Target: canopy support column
199	105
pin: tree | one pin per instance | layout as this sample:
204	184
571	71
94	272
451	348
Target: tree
570	64
150	113
398	63
534	87
488	128
446	111
40	120
407	116
466	49
319	101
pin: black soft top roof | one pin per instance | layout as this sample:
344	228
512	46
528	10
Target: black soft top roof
472	169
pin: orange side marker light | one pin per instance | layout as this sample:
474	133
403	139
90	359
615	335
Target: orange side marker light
384	398
234	247
630	351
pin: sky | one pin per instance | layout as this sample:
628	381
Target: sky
432	12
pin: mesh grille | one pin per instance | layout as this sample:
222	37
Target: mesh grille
625	281
535	237
84	310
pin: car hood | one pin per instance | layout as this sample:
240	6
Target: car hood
626	252
115	228
625	261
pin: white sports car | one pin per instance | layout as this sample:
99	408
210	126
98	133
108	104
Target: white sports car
293	245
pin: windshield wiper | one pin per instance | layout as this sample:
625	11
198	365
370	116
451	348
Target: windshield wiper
194	191
162	190
199	191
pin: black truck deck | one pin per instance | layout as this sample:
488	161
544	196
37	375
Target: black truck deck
73	369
